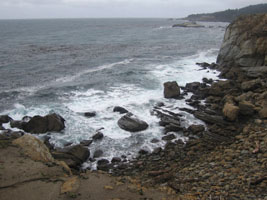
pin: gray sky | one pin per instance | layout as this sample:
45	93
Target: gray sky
19	9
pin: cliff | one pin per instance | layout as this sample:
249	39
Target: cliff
228	15
245	42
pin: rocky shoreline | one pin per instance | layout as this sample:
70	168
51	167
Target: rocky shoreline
225	159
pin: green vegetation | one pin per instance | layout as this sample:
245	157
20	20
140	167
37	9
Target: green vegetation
228	15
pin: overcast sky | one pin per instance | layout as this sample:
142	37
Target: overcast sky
19	9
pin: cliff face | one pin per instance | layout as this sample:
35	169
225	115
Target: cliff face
245	42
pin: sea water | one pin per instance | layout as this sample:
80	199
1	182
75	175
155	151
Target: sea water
72	66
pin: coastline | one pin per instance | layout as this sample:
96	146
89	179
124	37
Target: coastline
225	161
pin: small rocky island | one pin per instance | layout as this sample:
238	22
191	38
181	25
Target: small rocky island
188	25
225	159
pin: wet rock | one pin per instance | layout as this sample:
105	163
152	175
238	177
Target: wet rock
263	113
74	156
246	108
10	135
171	90
203	64
157	150
196	129
103	165
131	123
1	127
154	140
98	136
192	87
5	119
47	142
90	114
209	81
143	152
98	153
230	111
120	110
48	123
17	124
86	142
160	104
116	160
169	137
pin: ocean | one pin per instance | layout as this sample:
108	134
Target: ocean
72	66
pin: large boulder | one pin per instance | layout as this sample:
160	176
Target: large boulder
48	123
5	119
245	42
171	90
74	156
246	108
131	123
120	110
34	148
230	111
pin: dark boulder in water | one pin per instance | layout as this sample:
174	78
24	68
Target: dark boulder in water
90	114
98	136
171	90
48	123
119	109
5	119
131	123
98	153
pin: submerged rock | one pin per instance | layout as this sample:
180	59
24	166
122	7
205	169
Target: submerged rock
131	123
171	90
39	124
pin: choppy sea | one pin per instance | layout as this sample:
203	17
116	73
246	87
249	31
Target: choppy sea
72	66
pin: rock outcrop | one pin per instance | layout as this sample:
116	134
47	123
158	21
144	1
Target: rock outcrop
171	90
48	123
245	42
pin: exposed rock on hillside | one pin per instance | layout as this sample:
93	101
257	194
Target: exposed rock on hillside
245	42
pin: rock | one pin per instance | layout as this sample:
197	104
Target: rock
255	72
209	81
169	137
34	148
10	135
5	119
251	85
98	153
120	110
210	119
188	25
116	160
86	142
143	152
1	127
154	140
171	90
71	185
230	111
245	42
90	114
103	165
98	136
246	108
131	123
203	64
196	129
192	87
17	124
263	113
48	123
47	143
74	156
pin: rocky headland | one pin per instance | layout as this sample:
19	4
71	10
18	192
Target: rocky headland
225	159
